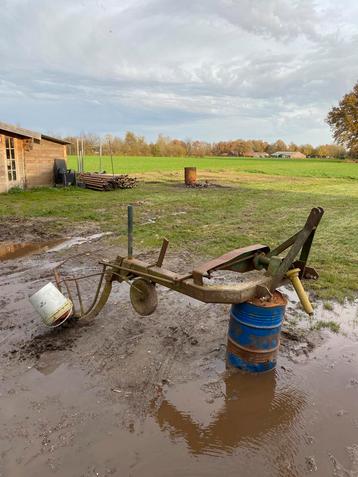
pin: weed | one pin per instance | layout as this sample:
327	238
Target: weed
15	190
331	325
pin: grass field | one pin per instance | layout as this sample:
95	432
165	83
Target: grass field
282	167
245	207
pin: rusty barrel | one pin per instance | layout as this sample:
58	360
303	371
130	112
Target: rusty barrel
190	175
254	334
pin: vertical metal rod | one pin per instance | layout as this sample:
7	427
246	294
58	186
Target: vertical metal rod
58	280
162	253
112	164
130	231
83	154
70	295
78	156
79	297
111	154
100	154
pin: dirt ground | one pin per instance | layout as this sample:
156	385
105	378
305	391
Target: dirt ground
129	396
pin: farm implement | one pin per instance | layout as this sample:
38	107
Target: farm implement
272	271
257	307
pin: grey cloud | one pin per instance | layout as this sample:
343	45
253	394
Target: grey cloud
274	18
265	66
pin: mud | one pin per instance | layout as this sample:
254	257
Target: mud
17	229
151	396
13	250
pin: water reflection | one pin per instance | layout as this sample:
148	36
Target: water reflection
11	251
253	411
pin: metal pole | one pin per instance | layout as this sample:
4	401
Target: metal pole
110	147
130	231
100	154
78	156
83	153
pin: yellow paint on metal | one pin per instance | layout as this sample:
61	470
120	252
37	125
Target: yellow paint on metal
297	285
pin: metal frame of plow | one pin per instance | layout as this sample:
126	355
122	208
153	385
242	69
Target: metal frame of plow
272	271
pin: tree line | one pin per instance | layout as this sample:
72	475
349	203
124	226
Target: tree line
342	119
134	145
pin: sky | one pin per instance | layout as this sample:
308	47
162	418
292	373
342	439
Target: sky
192	69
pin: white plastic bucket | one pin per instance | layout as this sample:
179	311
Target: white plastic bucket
53	307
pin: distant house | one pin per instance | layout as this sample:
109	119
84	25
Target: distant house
290	154
257	154
27	157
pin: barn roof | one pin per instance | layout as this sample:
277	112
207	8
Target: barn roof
6	128
54	139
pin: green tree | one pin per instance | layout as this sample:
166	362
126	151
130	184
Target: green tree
259	145
277	146
292	147
307	149
241	147
343	121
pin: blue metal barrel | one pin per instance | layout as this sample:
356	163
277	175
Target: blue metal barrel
254	334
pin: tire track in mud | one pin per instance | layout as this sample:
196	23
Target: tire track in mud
139	356
171	347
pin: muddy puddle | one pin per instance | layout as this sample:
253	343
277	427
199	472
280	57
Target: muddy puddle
130	396
15	250
298	420
290	422
12	251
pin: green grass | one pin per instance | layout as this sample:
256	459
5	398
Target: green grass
331	325
281	167
251	208
328	305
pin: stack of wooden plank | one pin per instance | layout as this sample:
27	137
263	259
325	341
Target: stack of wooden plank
106	181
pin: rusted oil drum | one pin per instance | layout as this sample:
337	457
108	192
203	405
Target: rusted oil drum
254	334
190	175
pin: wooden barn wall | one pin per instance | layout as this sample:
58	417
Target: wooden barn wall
3	180
39	162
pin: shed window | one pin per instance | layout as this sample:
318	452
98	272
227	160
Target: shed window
10	158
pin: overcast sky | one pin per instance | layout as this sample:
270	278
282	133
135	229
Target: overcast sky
206	69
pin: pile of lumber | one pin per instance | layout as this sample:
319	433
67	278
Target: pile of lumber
106	181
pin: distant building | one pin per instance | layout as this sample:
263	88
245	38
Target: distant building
27	157
257	154
289	154
245	154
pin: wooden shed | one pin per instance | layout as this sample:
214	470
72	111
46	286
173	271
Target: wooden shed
27	157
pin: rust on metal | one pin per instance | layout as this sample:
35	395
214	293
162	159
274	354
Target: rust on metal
276	299
190	175
302	241
260	356
229	261
162	252
270	273
143	296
